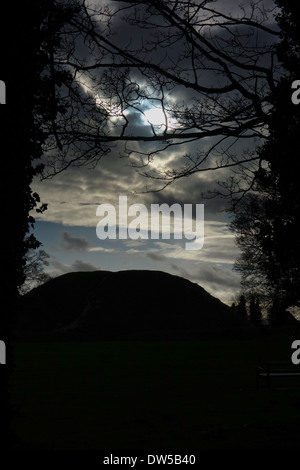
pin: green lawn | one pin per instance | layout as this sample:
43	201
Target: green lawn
152	395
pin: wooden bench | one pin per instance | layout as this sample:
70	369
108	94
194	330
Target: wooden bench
276	369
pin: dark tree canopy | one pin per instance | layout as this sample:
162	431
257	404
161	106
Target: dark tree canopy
27	40
266	221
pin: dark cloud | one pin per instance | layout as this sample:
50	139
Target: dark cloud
161	258
77	265
70	243
155	256
195	190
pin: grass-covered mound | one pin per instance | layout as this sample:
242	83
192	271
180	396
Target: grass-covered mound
124	305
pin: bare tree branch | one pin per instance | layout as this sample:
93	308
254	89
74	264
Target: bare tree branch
210	73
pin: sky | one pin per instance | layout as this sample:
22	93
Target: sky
67	229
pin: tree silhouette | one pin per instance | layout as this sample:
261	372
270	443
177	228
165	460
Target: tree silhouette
266	220
255	314
241	307
36	260
27	40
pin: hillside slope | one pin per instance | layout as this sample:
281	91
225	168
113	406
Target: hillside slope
124	305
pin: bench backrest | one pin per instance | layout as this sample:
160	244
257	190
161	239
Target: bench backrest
282	366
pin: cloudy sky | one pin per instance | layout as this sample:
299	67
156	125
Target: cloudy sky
67	230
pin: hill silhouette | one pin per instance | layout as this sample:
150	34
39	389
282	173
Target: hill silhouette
133	304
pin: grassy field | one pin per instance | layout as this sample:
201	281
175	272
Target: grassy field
152	395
